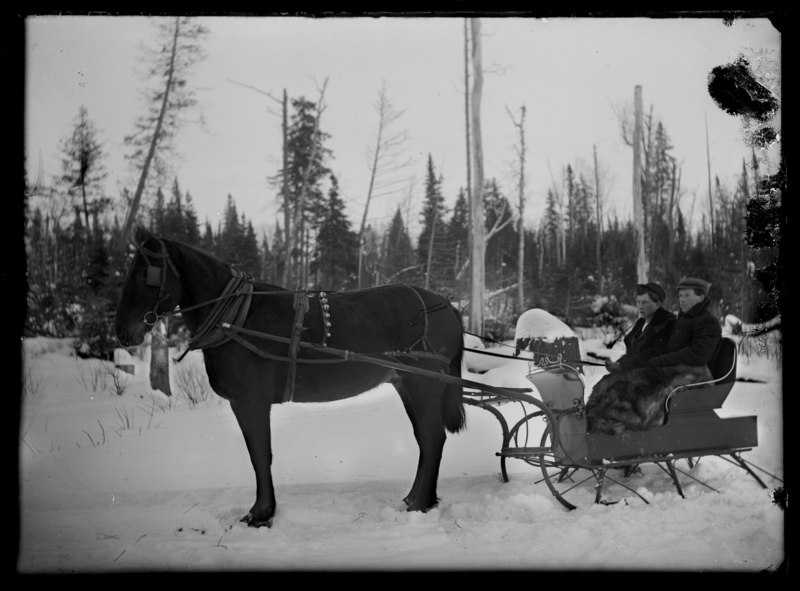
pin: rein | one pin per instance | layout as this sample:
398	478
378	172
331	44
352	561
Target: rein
540	353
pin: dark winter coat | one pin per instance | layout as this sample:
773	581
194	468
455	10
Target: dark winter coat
694	338
635	399
641	346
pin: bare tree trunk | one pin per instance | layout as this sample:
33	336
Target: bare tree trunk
710	195
599	213
385	146
638	210
154	141
542	245
562	232
521	152
671	218
375	160
288	240
430	255
478	246
466	109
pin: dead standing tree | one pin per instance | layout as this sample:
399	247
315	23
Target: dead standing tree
477	241
383	163
288	243
521	151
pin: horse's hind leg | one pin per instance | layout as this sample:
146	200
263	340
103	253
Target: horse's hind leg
423	405
252	414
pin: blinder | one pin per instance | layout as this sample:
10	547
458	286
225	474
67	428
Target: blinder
153	276
156	277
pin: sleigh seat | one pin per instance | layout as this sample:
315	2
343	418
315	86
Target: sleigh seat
692	423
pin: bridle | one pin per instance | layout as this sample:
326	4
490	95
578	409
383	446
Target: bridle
157	277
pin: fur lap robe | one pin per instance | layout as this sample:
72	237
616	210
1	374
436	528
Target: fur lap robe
634	400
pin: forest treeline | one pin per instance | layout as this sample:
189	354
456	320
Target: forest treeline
576	268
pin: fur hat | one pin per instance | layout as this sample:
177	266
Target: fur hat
694	283
655	288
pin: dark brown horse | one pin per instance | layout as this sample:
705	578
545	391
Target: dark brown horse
228	316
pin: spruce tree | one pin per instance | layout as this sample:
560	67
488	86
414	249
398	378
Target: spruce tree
398	252
207	242
191	223
335	259
434	230
82	169
174	221
458	230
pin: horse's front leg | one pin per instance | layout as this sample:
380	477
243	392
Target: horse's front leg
252	413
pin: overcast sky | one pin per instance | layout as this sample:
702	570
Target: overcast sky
571	74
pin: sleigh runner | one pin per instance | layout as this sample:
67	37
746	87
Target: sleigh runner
269	346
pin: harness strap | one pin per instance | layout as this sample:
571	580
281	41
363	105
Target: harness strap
343	354
300	308
231	308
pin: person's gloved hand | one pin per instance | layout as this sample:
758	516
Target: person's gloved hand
613	366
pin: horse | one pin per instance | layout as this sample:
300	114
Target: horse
264	345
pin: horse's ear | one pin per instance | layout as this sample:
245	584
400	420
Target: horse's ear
142	235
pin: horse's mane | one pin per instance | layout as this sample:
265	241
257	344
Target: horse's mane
208	255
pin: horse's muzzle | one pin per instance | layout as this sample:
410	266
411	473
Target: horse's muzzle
131	336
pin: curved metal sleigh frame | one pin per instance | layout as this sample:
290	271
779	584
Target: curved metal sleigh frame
577	466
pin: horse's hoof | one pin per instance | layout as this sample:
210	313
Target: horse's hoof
252	521
422	508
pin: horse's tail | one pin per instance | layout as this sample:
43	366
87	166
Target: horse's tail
453	414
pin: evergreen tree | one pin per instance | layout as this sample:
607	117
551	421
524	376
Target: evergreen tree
82	167
158	214
249	259
191	223
398	252
267	268
279	263
207	242
458	237
553	229
336	255
434	230
98	260
306	171
174	225
232	234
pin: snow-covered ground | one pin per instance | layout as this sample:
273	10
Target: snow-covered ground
135	481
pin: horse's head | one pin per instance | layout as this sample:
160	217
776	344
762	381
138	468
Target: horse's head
152	287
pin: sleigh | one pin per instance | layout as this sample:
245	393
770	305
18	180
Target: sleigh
578	467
